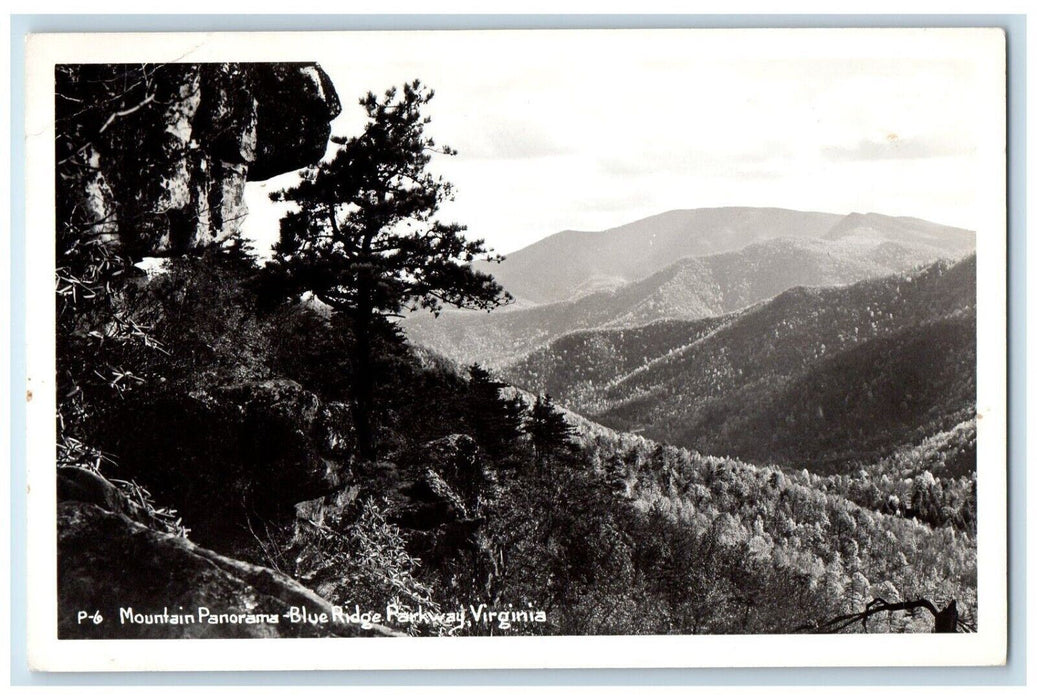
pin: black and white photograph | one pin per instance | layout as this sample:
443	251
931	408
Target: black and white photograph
634	336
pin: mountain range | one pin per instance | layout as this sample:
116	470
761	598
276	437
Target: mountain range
644	272
570	264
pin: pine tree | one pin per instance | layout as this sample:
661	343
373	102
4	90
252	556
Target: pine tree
496	421
550	432
365	241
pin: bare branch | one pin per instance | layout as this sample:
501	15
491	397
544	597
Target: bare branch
878	605
130	110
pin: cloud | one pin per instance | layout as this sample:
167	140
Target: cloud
678	161
510	141
615	202
894	147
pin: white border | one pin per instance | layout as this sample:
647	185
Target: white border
987	647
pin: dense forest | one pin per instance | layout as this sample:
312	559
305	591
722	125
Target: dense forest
474	499
274	412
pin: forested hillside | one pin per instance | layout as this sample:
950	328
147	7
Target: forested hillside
822	377
475	498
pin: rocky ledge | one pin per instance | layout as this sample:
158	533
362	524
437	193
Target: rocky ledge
150	584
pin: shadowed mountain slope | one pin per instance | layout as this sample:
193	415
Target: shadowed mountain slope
818	376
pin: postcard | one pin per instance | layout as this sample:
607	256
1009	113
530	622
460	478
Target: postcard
517	349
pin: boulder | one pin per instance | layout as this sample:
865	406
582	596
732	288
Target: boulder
295	103
86	486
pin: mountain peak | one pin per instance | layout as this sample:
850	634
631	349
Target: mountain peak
904	229
568	264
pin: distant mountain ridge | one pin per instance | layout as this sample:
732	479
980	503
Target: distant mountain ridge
688	288
571	263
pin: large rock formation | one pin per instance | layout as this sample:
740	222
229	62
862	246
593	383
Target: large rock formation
439	494
152	160
155	157
150	584
441	485
223	455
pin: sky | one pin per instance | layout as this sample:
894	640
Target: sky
590	130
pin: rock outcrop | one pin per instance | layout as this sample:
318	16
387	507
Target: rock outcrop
133	501
221	455
154	158
438	493
448	481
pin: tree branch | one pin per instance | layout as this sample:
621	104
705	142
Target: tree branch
876	606
130	110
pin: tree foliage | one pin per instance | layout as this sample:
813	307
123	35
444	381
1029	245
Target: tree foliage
496	422
550	432
364	237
